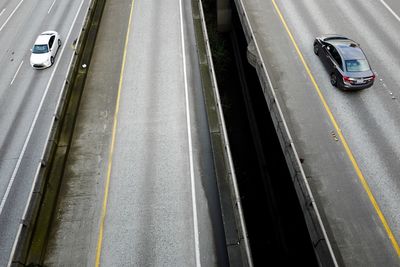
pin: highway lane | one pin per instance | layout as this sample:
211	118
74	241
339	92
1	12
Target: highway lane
28	99
367	119
162	192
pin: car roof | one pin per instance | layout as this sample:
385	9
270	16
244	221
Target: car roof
44	37
348	48
327	37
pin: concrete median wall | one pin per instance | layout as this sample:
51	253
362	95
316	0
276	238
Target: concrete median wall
318	234
236	238
57	145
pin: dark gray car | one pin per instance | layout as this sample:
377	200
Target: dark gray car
345	62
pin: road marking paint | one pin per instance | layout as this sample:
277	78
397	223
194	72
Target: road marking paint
12	13
15	75
341	137
111	152
189	133
21	155
48	12
390	10
1	13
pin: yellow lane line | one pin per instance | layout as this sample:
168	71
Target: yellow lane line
110	155
341	137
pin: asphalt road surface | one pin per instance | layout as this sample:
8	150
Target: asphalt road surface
162	204
28	98
367	119
159	201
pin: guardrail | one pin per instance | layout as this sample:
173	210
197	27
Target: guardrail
220	144
24	233
320	240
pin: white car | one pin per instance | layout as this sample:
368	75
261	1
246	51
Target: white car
45	49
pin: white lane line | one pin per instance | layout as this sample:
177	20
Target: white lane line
12	13
390	10
48	12
21	155
1	13
16	73
189	132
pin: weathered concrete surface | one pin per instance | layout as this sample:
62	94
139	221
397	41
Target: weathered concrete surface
365	118
149	218
73	237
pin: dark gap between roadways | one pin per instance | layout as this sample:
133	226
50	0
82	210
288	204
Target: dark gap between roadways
275	223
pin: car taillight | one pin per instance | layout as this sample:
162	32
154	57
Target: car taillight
346	80
373	77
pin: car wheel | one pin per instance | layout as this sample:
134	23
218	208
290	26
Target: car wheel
52	60
333	79
59	42
316	49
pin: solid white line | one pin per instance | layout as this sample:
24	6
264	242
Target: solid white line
390	10
12	13
192	180
1	13
15	75
48	12
38	168
14	174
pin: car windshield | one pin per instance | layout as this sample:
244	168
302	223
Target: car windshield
354	65
40	49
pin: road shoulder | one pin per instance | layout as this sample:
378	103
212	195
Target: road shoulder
73	234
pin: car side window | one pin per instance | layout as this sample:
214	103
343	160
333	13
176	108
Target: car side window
336	57
51	41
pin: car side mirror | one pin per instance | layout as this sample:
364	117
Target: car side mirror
31	49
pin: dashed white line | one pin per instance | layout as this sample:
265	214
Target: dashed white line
14	174
189	132
12	13
390	10
1	13
48	12
16	73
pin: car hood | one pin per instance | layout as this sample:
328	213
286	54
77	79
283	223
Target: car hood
40	58
359	74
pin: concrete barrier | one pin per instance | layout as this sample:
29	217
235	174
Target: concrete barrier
236	238
27	225
318	234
